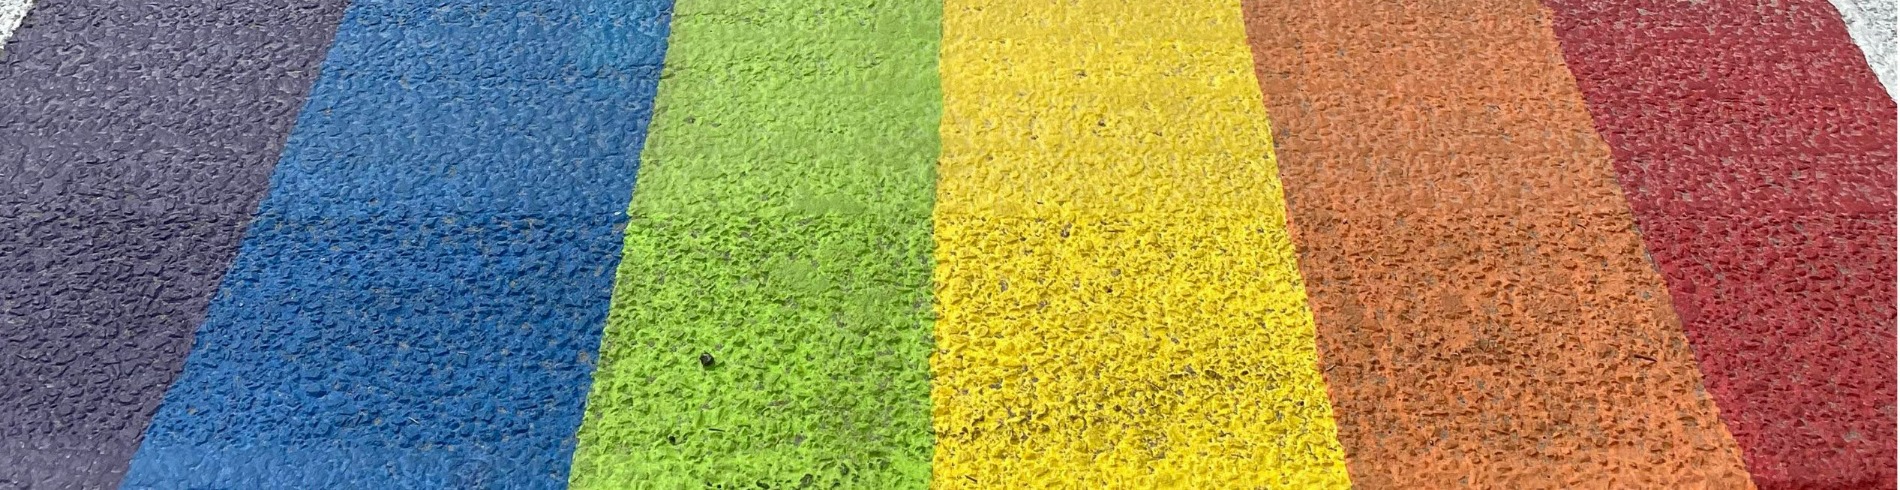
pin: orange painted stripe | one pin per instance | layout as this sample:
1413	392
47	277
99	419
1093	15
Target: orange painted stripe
1486	316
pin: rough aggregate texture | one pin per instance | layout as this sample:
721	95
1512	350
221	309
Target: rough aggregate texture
1486	315
1757	152
1118	298
135	141
782	229
417	303
1872	25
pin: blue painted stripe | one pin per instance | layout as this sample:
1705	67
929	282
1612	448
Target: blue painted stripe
417	302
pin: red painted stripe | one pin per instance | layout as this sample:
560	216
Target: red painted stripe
1757	151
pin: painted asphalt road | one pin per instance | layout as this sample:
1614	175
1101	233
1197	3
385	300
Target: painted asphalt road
138	138
419	298
1121	299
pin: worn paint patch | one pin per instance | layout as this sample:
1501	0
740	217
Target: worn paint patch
417	301
1486	314
1871	23
11	13
135	141
781	231
1119	303
1758	156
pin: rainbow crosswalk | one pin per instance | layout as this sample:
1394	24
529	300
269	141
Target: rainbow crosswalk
945	243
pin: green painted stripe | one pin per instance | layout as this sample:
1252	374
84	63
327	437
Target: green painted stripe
781	224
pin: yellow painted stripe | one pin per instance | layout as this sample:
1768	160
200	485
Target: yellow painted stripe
1119	301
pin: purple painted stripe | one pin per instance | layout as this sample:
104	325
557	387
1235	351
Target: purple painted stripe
135	140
